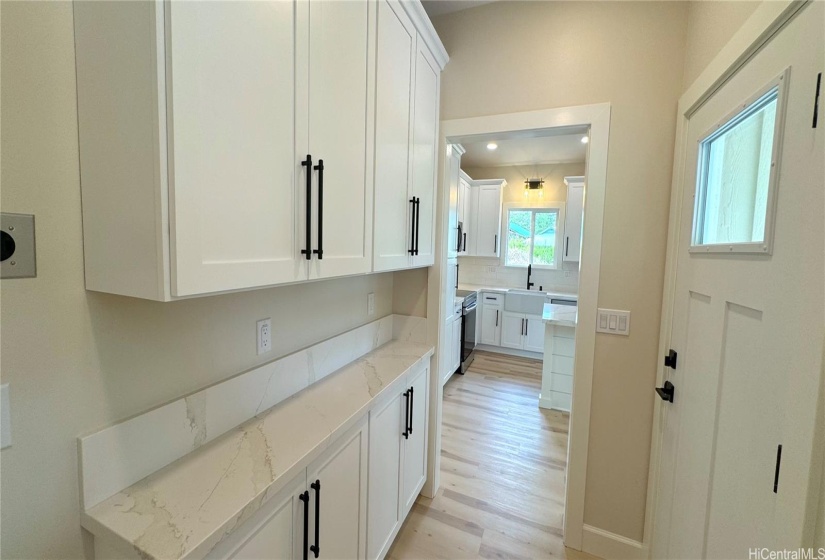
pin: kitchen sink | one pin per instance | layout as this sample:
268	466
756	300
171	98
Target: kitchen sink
524	301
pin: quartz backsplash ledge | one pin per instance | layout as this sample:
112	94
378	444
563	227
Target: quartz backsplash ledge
490	272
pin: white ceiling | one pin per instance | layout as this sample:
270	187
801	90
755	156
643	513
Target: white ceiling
440	7
567	148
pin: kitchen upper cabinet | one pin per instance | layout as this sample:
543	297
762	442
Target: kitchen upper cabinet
573	219
338	79
485	218
187	148
408	80
231	146
464	213
492	306
454	153
397	460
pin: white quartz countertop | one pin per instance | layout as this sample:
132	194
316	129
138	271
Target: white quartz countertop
564	315
186	508
500	290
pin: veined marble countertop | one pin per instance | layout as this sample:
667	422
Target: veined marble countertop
500	290
564	315
186	508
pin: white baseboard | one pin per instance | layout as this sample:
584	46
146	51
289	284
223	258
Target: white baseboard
605	544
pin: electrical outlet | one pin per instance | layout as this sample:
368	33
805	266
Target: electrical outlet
264	336
370	304
613	321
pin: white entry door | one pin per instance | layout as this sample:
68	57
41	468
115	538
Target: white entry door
748	310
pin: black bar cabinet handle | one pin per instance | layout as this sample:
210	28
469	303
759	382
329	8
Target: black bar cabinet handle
417	222
406	433
464	244
496	317
456	276
316	548
308	251
495	243
776	472
412	409
305	498
566	244
412	227
320	169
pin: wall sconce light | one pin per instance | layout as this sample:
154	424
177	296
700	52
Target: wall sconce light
534	185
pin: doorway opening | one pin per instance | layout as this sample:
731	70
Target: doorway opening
521	205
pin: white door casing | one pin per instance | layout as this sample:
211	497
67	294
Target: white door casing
749	332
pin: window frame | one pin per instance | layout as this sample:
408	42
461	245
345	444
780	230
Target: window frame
726	123
559	207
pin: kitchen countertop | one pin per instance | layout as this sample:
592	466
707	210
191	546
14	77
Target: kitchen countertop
499	289
563	315
186	508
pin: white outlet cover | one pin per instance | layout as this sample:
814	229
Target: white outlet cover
5	417
613	321
264	336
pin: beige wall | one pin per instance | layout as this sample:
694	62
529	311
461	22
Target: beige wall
508	57
409	292
76	360
711	24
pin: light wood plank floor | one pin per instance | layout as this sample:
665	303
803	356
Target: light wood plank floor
503	464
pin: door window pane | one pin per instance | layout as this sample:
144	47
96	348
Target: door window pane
734	177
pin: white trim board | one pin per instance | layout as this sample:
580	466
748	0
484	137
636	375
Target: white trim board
596	117
118	456
764	23
610	545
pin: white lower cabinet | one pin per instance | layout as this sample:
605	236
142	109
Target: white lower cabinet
397	461
331	491
522	332
492	306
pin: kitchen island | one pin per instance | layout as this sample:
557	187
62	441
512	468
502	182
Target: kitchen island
559	351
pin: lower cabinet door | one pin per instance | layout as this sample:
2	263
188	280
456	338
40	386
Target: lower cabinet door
415	447
338	507
274	532
491	324
534	340
512	330
387	424
456	350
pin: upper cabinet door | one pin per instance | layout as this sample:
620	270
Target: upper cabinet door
454	169
232	161
424	159
574	212
488	223
393	135
341	43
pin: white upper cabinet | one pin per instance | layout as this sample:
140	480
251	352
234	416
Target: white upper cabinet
408	77
574	213
482	217
453	165
196	120
341	113
464	213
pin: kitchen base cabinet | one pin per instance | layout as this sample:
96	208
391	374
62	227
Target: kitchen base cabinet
332	491
397	461
492	306
522	332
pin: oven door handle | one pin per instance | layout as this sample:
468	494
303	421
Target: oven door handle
471	308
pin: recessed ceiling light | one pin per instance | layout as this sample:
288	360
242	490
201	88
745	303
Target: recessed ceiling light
492	146
585	139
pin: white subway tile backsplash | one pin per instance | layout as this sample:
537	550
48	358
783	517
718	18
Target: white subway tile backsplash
490	272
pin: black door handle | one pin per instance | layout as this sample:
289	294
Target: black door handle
412	227
308	251
417	222
320	169
666	392
316	548
305	498
412	410
406	433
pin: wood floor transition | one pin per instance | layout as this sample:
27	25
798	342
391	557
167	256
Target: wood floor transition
503	461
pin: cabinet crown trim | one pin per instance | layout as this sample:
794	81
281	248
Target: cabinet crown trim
415	10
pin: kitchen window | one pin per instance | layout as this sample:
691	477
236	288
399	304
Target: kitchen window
533	237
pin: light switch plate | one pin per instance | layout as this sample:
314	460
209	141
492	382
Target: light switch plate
613	321
18	256
5	417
